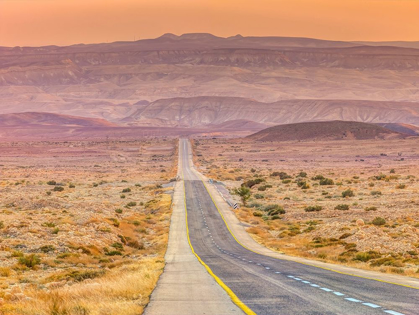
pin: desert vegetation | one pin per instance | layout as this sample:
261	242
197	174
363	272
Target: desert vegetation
326	200
68	243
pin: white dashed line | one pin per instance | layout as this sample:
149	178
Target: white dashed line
326	289
314	285
393	312
353	300
371	305
277	272
338	293
307	282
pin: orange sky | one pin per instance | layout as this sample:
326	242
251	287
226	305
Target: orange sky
63	22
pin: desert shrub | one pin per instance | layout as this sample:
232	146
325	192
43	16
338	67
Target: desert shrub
313	208
378	221
257	214
259	196
79	276
118	211
255	205
71	186
262	188
303	185
324	193
131	204
113	253
118	246
135	244
274	209
5	271
51	182
401	186
252	170
1	225
126	190
348	193
55	231
252	182
371	184
387	261
392	171
29	261
48	224
275	217
58	188
122	196
342	207
327	182
286	181
376	193
366	256
244	193
95	184
344	235
139	185
281	175
47	248
380	177
371	208
318	177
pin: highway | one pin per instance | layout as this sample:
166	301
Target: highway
267	285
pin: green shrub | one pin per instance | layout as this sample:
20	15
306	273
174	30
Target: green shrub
274	209
342	207
118	246
370	208
126	190
313	208
131	204
327	182
348	193
286	181
318	177
392	171
71	186
118	211
52	183
376	193
47	248
29	261
122	196
58	188
78	276
55	231
302	174
378	221
1	225
252	182
259	196
380	177
113	253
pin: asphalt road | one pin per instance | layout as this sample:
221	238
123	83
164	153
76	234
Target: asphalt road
272	286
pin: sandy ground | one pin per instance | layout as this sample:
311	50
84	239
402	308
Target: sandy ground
381	174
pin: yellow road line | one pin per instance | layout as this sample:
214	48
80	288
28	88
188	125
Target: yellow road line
233	297
307	264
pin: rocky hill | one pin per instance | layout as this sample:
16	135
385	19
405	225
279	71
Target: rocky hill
328	130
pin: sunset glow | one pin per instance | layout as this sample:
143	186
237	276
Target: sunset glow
64	22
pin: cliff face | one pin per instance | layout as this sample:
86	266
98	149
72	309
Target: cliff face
201	111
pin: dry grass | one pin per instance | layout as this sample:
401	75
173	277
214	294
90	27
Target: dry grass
83	250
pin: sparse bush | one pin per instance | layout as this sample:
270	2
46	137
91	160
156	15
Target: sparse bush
47	248
118	246
281	175
376	193
52	183
113	253
380	177
131	204
29	261
259	196
135	244
401	186
274	209
71	186
378	221
126	190
55	231
58	188
244	193
302	174
392	171
1	225
122	196
79	276
286	181
318	177
342	207
371	208
313	208
5	271
348	193
327	182
118	211
252	182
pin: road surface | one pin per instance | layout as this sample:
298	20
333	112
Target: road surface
268	285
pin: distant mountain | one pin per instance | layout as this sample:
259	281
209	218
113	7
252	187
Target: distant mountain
328	130
47	119
203	111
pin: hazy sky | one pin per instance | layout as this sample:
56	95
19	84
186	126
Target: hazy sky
63	22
